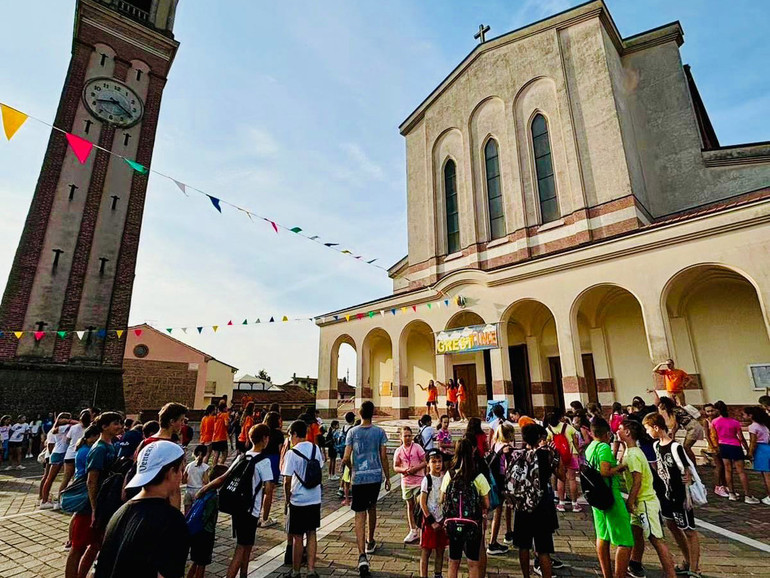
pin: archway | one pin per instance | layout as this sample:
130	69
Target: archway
533	354
613	344
471	367
343	359
417	365
718	332
377	369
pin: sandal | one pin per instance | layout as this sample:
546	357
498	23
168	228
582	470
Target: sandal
682	570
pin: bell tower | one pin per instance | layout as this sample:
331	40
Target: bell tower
74	266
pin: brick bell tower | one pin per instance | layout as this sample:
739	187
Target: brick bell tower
74	267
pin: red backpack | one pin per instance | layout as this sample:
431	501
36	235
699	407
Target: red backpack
561	444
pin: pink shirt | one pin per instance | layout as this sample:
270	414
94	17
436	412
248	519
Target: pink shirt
728	430
762	433
410	457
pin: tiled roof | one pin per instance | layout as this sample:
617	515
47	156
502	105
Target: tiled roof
290	394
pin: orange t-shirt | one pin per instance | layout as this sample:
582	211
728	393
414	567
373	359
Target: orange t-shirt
674	379
245	427
451	394
312	432
432	393
220	427
207	429
461	394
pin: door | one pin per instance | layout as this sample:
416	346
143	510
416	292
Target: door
522	389
590	374
468	374
554	364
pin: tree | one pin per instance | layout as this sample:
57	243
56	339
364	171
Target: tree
263	375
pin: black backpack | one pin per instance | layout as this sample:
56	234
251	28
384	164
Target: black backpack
237	495
597	491
419	517
313	472
110	495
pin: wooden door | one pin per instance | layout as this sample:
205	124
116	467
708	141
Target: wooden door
468	374
522	390
554	364
590	375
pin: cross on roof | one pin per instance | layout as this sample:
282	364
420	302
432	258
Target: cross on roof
481	34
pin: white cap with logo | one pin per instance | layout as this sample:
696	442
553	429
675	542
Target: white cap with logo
152	459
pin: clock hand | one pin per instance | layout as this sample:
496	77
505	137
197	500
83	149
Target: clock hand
115	101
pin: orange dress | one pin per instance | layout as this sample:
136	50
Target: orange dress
432	394
207	429
220	428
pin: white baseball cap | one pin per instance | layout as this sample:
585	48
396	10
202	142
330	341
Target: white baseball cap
151	460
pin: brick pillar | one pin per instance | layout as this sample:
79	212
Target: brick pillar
400	403
605	386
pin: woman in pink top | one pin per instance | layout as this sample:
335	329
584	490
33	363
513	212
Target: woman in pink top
409	461
731	444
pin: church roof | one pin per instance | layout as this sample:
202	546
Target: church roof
580	13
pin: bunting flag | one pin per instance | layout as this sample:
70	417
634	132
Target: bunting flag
285	318
360	316
446	302
370	262
184	330
346	252
331	244
257	321
230	322
169	329
371	314
80	146
119	333
39	335
80	334
393	311
275	227
347	317
428	305
18	334
200	330
245	322
62	334
414	308
403	310
314	237
141	169
12	120
272	320
182	187
138	332
215	202
295	230
215	327
102	333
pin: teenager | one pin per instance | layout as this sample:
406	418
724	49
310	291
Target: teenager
557	425
731	449
444	437
426	434
171	418
451	398
433	538
246	421
59	433
148	536
367	457
195	476
273	453
502	447
73	435
432	397
679	418
462	399
759	446
18	433
711	413
409	461
207	428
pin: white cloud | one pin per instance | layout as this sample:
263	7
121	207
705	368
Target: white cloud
362	161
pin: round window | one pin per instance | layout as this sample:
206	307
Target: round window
141	350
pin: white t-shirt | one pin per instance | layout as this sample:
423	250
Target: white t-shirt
74	434
61	440
262	473
17	432
428	435
433	496
4	432
293	464
49	439
195	474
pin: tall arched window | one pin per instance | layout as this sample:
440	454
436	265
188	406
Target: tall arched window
494	191
546	185
452	214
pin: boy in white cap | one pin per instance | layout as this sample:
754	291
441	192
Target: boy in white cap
147	536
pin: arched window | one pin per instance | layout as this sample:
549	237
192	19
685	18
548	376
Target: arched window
494	191
546	185
452	215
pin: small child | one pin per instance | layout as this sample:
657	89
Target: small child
433	539
195	476
333	438
344	489
444	439
409	461
202	543
426	433
615	420
759	447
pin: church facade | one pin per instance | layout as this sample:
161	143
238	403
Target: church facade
567	184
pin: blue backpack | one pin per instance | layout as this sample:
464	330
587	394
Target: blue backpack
194	517
339	437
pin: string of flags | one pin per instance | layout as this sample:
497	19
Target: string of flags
13	119
200	329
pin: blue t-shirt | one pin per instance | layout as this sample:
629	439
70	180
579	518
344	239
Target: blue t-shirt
366	442
81	459
101	456
128	443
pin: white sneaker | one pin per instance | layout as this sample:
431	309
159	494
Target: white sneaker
46	506
56	505
412	536
750	500
765	500
9	468
732	497
334	478
20	467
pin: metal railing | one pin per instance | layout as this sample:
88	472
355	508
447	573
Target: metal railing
133	11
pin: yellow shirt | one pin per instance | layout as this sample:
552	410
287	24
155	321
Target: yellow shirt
481	483
570	432
636	461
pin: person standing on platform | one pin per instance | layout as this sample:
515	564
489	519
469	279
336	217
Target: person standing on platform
676	380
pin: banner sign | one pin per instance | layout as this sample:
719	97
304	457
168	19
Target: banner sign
467	339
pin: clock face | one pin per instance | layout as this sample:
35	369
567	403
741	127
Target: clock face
113	102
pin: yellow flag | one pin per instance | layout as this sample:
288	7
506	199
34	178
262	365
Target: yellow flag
119	333
215	327
285	318
12	120
18	334
403	310
347	317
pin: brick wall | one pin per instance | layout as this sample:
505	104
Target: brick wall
148	385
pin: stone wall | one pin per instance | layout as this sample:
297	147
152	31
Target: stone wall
149	385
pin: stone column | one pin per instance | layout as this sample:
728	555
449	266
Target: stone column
540	383
502	386
326	394
401	381
363	370
605	387
443	373
573	381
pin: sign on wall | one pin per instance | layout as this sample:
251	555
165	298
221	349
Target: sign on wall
467	339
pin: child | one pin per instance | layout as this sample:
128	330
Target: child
426	433
409	461
764	402
730	438
759	447
720	489
675	504
432	397
642	503
583	428
502	446
615	420
537	527
465	502
433	538
556	426
612	526
202	543
334	436
195	476
344	489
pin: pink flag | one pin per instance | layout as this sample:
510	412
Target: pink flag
275	227
39	335
138	332
80	146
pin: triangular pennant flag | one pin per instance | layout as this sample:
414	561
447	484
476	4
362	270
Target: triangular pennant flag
2	334
346	252
80	146
12	120
285	318
271	320
182	187
138	332
101	333
245	322
314	237
438	304
446	302
331	244
62	334
336	317
360	315
414	308
184	330
119	333
371	314
169	329
403	310
39	335
215	202
80	334
230	322
295	229
139	168
215	327
357	257
275	227
200	330
370	262
382	312
18	334
247	213
257	321
393	311
429	305
347	317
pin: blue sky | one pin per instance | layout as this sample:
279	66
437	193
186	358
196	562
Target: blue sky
292	109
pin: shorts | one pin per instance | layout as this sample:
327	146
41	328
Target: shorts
333	453
69	460
464	538
614	525
57	459
365	496
275	465
694	432
15	445
82	534
647	516
537	527
219	446
433	538
762	458
451	403
304	519
683	517
189	496
729	452
432	403
242	447
245	528
410	493
201	548
573	464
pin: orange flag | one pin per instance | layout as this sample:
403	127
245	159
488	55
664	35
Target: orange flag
12	120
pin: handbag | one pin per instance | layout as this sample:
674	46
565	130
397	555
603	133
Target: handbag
41	456
696	490
74	499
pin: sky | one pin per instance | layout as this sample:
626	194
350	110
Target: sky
292	109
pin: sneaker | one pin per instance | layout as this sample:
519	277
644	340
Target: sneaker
370	548
268	523
556	564
340	493
576	507
334	478
363	562
411	537
765	500
46	506
636	570
495	549
732	497
509	536
9	468
539	571
683	570
750	500
721	491
561	507
68	546
20	467
56	505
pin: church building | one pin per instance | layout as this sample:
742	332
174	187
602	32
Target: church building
566	183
